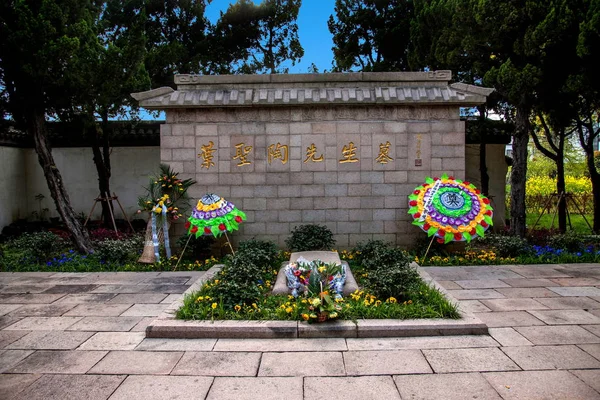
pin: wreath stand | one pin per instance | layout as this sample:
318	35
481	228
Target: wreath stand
569	199
108	199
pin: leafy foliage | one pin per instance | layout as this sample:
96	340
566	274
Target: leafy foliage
242	274
38	246
310	237
372	35
388	270
166	182
120	251
506	245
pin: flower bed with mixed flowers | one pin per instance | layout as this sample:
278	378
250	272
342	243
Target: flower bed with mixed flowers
318	303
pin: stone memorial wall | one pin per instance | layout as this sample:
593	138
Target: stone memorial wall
342	150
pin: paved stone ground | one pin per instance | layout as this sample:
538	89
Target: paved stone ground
81	336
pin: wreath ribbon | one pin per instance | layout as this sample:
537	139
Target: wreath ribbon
163	211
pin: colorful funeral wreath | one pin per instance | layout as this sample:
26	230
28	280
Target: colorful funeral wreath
450	209
214	215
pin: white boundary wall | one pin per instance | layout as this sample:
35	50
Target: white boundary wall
22	178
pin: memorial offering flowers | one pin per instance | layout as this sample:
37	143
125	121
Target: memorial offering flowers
213	215
322	286
166	188
450	209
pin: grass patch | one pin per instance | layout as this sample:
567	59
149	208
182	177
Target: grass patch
577	221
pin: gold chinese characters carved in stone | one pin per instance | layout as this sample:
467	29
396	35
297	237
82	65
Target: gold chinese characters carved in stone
278	152
206	153
349	154
311	151
384	153
241	154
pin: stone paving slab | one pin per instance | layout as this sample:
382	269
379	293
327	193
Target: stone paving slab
106	324
564	334
58	362
569	303
469	360
473	306
71	289
98	310
176	344
8	321
566	317
354	388
482	284
137	363
113	341
32	298
528	283
51	340
592	349
576	291
424	342
514	304
589	376
289	345
445	386
302	364
10	358
145	310
8	308
514	293
148	298
13	384
509	337
449	285
476	294
539	271
508	318
218	364
71	387
388	362
261	388
86	298
551	357
540	385
25	289
576	281
42	310
8	337
43	323
595	329
156	387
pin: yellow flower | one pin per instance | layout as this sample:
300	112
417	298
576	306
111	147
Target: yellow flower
392	300
333	315
289	310
410	302
366	302
322	269
313	315
237	308
214	305
305	317
290	297
254	305
217	281
377	303
316	302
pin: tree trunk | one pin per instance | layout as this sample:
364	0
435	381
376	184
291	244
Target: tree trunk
560	185
36	128
595	178
519	173
102	161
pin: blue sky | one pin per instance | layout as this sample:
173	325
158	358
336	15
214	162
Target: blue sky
312	30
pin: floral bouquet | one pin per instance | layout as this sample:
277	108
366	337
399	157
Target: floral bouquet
322	284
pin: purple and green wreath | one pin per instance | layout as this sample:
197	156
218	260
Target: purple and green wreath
213	215
450	209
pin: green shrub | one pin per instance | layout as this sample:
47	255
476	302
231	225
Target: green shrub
506	246
38	246
243	273
120	251
310	237
388	271
197	248
570	241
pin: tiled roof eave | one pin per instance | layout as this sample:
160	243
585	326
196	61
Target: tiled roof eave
165	98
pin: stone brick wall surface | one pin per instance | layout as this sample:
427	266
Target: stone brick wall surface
357	200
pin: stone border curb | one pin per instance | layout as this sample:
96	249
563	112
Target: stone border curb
166	326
